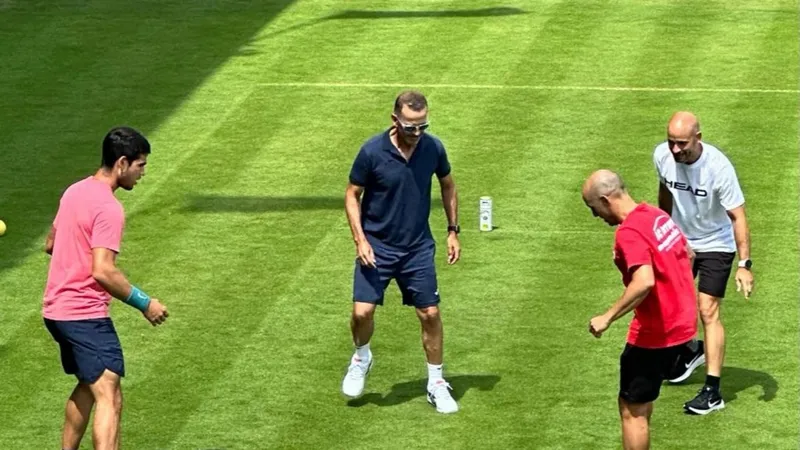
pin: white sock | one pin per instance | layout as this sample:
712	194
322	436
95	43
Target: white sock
363	352
434	373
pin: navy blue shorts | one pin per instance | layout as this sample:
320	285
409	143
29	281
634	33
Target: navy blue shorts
88	347
413	271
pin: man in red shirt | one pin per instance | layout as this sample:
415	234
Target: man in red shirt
651	254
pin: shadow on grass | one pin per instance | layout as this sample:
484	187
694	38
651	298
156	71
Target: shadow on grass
409	390
738	379
71	71
359	14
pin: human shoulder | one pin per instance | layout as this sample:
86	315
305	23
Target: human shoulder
375	143
718	161
77	194
76	187
371	148
640	220
626	231
661	150
107	203
661	156
108	213
98	196
433	139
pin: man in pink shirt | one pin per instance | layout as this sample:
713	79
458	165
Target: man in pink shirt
84	242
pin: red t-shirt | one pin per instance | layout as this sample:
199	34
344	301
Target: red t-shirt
668	315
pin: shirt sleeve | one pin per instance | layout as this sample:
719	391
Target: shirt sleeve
657	163
107	227
728	189
634	248
57	218
359	172
443	166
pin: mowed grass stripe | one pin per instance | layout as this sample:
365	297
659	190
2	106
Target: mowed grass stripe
337	376
577	274
276	345
398	85
243	262
756	358
218	416
331	379
500	296
498	286
735	127
286	158
19	344
711	104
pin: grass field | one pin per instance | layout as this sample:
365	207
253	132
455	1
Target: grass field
255	110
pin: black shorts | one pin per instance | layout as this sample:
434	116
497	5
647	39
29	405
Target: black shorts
642	370
714	269
88	347
414	271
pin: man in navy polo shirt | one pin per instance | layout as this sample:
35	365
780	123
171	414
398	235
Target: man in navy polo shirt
394	171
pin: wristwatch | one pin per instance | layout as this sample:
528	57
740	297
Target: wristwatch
454	228
745	264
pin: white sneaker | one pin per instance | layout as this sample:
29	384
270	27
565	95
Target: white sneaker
353	383
439	396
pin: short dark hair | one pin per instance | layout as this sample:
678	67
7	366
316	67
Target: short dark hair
413	99
123	141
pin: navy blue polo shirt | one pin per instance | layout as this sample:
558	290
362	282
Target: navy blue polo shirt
396	204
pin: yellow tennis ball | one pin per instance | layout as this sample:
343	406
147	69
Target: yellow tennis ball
2	228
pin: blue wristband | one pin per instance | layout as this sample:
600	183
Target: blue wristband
138	299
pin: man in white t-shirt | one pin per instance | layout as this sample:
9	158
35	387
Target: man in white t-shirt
699	188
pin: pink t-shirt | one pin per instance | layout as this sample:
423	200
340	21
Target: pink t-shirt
89	216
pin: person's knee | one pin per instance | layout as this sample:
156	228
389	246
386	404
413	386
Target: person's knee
107	388
709	309
363	313
633	411
429	316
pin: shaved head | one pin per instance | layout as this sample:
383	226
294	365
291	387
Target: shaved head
683	137
603	183
605	194
683	124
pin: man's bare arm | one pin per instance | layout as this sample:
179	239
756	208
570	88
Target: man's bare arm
741	231
664	198
449	199
51	241
352	205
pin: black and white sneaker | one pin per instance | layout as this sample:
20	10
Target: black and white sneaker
687	364
707	400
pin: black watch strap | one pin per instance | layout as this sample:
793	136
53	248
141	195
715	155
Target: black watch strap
455	228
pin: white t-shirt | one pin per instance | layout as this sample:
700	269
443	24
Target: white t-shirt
702	194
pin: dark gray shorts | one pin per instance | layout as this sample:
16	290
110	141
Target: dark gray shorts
714	270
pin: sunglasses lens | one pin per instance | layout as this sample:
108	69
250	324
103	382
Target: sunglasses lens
414	128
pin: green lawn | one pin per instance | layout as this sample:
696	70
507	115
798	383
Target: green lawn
255	110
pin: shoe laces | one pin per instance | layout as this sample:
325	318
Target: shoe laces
706	392
441	390
357	369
